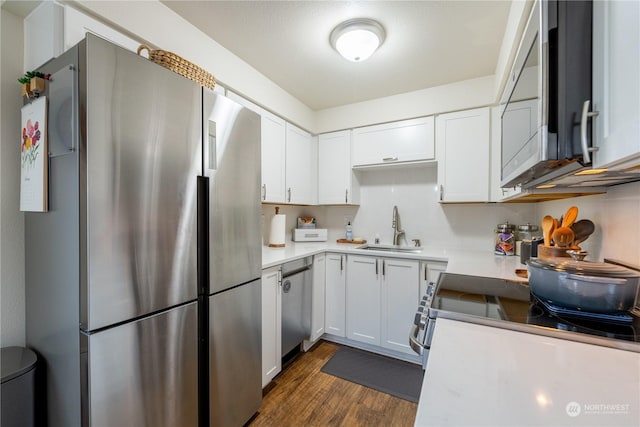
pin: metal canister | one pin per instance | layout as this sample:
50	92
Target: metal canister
505	239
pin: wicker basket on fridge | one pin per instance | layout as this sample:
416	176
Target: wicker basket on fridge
179	65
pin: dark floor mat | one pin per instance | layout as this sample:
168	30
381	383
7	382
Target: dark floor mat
391	376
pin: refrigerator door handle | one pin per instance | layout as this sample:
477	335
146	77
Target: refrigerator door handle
212	163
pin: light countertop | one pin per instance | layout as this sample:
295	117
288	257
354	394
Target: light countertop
479	375
473	263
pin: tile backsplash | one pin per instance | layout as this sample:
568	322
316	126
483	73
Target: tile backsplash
467	226
414	191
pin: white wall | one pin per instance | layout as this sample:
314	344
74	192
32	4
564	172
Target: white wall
12	261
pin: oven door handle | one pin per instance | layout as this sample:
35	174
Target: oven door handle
413	342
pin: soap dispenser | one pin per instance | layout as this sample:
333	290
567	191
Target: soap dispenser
349	232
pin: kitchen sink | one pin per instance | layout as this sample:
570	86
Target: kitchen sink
392	248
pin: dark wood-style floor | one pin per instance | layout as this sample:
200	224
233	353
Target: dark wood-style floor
303	396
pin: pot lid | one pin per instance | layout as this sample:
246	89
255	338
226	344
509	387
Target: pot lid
589	268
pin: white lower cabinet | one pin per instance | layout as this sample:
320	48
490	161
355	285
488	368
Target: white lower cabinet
363	299
271	324
335	280
430	273
382	296
318	296
399	299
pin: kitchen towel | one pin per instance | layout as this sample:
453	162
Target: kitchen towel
276	236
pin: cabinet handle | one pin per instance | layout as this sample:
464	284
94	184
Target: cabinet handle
441	192
390	159
264	191
376	268
586	151
289	195
383	268
425	272
346	196
341	262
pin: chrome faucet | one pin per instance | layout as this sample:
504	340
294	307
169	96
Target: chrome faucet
395	223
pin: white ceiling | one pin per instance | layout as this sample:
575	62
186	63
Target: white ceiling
428	43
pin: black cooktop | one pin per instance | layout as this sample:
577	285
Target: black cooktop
512	302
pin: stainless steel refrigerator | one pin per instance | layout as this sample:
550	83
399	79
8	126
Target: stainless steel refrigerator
143	279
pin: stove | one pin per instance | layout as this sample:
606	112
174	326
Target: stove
511	305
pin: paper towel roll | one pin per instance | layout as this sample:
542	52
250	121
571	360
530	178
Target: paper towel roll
276	237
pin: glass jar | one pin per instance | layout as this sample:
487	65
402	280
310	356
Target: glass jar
505	239
528	232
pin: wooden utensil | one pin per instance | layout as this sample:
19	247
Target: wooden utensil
582	230
570	216
563	237
547	229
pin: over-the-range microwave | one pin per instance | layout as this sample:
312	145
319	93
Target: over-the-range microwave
544	97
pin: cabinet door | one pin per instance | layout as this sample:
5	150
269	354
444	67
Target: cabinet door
271	325
43	35
272	146
463	155
273	158
430	273
404	141
363	299
400	287
318	297
299	166
77	25
335	177
335	294
616	82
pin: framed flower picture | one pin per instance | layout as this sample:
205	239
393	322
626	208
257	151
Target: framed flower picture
34	157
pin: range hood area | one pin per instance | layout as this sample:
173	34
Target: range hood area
572	179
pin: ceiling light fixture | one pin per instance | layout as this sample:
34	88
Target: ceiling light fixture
357	39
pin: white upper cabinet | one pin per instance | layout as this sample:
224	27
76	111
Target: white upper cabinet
300	166
616	84
337	183
273	158
403	141
77	25
463	147
273	146
43	34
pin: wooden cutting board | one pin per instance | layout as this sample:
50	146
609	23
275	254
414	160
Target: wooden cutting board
355	242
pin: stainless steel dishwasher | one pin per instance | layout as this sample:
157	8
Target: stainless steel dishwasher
296	303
